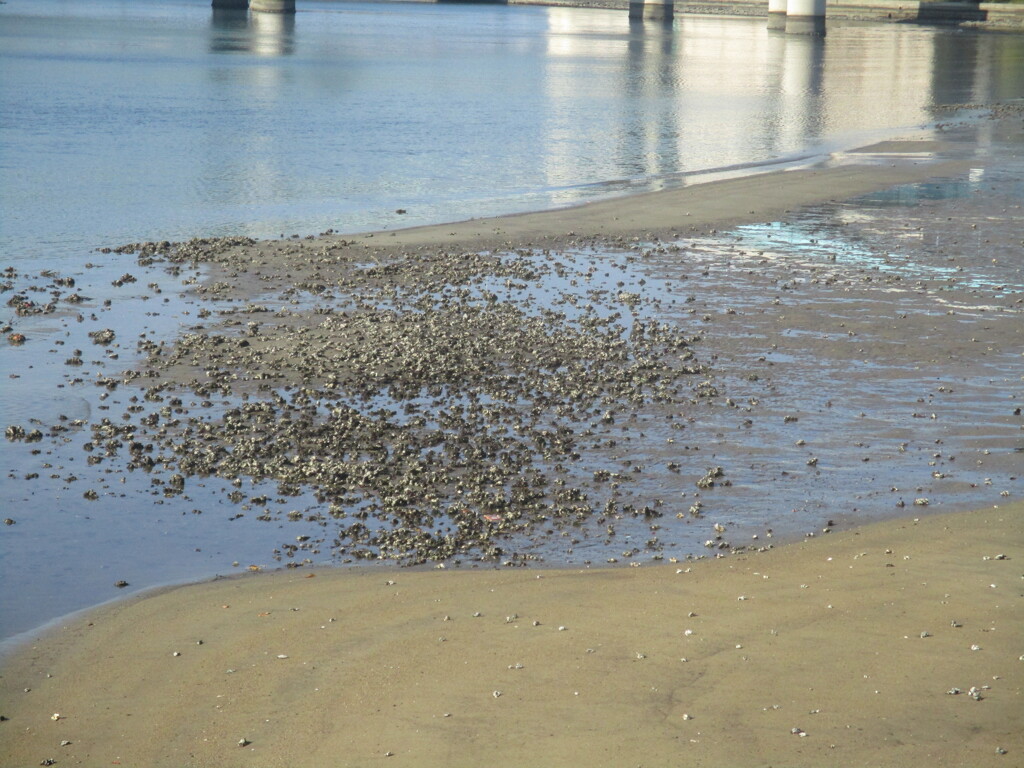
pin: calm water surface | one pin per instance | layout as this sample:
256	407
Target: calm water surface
165	119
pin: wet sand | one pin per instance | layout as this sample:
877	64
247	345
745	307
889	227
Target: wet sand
858	640
843	649
673	212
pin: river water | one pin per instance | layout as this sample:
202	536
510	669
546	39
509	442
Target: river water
125	121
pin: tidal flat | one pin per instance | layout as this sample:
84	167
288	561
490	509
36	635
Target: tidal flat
657	378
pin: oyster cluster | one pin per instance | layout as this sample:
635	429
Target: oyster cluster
437	404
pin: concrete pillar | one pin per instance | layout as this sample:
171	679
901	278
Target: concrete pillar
806	17
777	14
272	6
805	7
655	10
231	5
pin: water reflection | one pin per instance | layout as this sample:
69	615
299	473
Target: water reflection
252	172
273	33
709	88
649	146
229	30
263	34
712	95
349	111
794	67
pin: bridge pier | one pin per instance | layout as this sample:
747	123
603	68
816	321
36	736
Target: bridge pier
653	10
805	17
272	6
777	14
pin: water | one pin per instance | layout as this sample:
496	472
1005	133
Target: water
128	120
124	121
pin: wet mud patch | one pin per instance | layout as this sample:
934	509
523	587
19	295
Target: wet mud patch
886	340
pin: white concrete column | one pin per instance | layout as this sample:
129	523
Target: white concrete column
805	7
272	6
805	17
777	14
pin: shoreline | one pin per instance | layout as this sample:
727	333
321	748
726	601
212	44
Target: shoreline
692	209
362	664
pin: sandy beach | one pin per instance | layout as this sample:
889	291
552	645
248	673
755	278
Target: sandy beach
891	644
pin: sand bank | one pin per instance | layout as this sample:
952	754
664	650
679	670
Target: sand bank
687	209
857	639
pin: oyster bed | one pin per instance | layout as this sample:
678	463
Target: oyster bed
435	404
